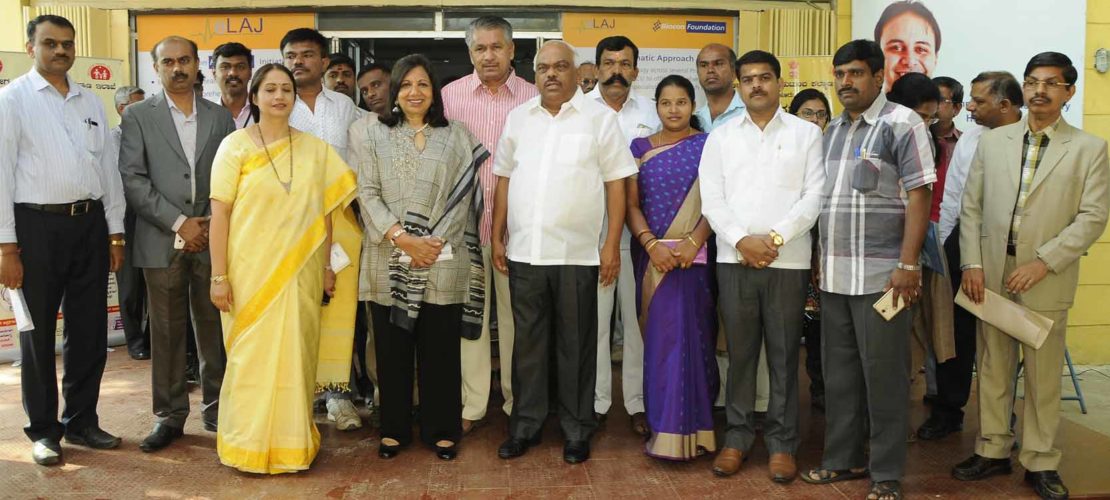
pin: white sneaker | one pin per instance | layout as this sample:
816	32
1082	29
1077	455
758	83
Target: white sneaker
344	414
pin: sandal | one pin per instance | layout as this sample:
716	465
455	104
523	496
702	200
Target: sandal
885	490
640	426
826	476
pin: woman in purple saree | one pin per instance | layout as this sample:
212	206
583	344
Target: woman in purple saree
674	296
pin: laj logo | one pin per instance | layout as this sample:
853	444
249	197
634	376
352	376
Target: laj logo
599	24
231	25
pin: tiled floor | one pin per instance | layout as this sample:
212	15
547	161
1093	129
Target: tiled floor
348	467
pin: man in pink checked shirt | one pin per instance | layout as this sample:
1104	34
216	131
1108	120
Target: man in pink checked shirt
482	100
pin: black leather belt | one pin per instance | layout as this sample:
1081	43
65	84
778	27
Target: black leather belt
1011	250
70	209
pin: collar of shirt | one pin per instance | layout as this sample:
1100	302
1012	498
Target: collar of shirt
871	115
574	103
1048	131
40	83
735	104
173	106
952	136
512	84
632	104
746	119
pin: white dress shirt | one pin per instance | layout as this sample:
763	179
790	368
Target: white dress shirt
329	119
244	117
638	117
958	167
54	149
558	166
187	134
754	181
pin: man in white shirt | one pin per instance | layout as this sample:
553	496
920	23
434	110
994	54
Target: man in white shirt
560	165
321	112
129	279
167	147
233	66
762	179
328	115
996	101
61	233
617	69
340	76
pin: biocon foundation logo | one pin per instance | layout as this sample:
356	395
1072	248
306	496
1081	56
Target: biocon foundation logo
709	27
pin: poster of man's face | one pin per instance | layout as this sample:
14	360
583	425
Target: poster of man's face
910	37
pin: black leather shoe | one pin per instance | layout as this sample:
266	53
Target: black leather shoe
938	427
447	452
576	452
979	467
515	447
160	437
1047	484
211	426
46	452
93	437
386	451
139	355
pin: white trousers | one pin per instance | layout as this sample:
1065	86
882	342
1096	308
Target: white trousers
623	292
476	358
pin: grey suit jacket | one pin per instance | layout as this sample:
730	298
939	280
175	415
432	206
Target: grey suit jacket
1065	212
156	174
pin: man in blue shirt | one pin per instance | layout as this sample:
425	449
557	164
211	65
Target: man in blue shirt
716	72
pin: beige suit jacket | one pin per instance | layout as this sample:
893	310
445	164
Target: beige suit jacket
1065	213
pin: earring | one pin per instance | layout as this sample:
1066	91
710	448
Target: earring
396	109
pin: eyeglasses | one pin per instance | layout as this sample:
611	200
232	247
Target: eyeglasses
1033	84
809	113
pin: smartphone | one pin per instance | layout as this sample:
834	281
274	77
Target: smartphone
885	305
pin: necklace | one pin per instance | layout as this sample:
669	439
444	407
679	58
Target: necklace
288	185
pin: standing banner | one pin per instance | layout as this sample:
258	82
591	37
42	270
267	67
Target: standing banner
807	72
668	43
260	32
101	76
960	39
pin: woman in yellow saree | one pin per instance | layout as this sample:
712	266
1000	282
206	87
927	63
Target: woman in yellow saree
278	198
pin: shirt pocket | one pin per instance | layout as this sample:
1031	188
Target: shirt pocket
94	139
789	166
574	149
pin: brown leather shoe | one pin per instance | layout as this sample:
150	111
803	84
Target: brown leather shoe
727	462
783	468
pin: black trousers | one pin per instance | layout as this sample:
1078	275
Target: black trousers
554	308
65	264
811	331
132	297
954	375
435	342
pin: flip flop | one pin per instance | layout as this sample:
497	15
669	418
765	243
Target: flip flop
826	476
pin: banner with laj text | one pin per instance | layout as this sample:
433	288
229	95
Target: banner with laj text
668	43
259	31
960	39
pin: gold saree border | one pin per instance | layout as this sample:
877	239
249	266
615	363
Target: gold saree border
272	461
681	446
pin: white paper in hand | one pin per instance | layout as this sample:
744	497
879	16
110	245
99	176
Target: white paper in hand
445	254
339	258
22	314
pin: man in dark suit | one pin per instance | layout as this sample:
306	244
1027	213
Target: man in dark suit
166	152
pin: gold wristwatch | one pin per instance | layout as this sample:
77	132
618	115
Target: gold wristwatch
777	238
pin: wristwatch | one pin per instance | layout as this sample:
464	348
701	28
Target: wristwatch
908	267
777	238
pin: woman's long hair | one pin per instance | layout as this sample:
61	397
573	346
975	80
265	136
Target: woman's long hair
256	84
393	115
683	83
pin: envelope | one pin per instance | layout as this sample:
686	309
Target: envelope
22	313
1014	319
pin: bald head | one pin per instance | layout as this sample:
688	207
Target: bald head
555	74
716	68
587	76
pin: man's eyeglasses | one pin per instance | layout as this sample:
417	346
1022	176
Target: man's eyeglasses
809	113
1034	84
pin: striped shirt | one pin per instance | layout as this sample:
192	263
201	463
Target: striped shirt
54	149
484	113
1032	150
330	119
864	209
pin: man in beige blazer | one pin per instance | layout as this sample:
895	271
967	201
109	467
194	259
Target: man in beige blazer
1036	199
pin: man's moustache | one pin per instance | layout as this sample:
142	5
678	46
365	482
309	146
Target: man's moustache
615	79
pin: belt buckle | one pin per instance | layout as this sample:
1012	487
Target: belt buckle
79	208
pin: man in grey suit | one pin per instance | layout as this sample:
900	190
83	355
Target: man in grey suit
166	152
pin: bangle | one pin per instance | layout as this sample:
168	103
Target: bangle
693	241
219	278
118	243
651	244
641	233
908	267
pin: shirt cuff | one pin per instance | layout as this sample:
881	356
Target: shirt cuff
180	220
8	236
970	266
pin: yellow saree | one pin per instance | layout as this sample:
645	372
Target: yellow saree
282	345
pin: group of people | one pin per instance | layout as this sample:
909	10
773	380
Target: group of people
294	231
